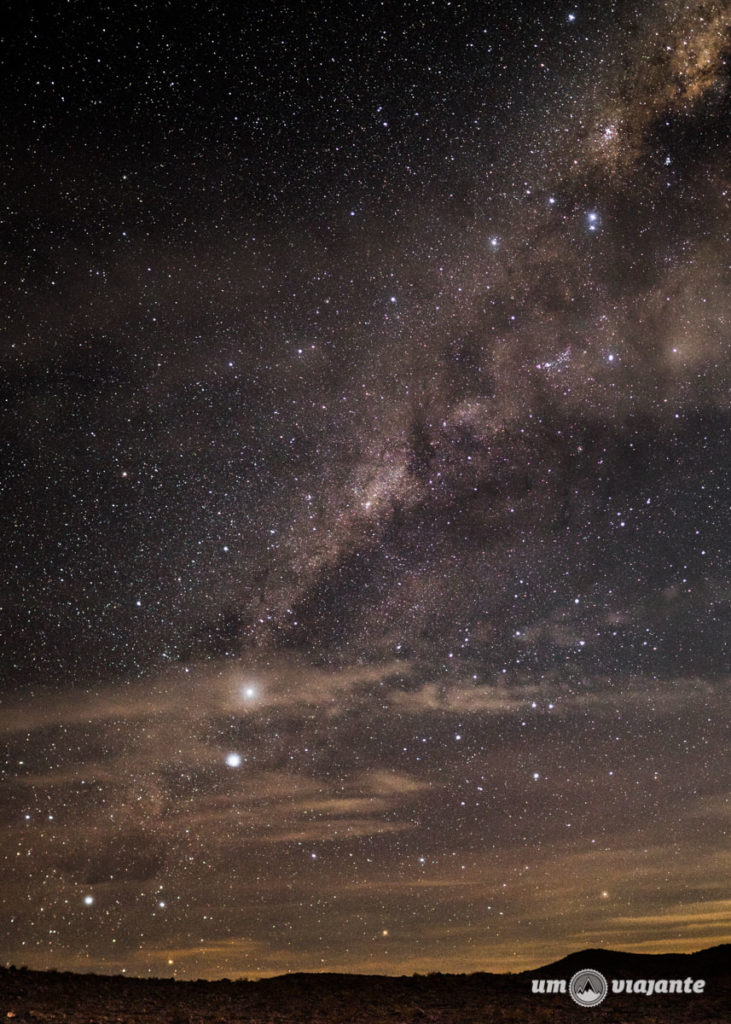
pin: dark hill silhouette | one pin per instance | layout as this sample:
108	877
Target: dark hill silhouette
67	998
705	963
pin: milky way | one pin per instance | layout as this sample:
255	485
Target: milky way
366	489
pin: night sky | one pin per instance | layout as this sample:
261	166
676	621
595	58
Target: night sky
366	483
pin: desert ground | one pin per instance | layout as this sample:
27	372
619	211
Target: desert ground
65	998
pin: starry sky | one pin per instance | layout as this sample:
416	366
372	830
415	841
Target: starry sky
365	505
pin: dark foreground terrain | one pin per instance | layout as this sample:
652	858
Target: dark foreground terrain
361	999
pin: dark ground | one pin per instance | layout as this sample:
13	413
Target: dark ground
329	998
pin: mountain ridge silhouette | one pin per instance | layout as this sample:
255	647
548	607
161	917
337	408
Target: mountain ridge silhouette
713	960
708	962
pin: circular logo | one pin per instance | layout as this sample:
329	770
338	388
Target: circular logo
588	988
